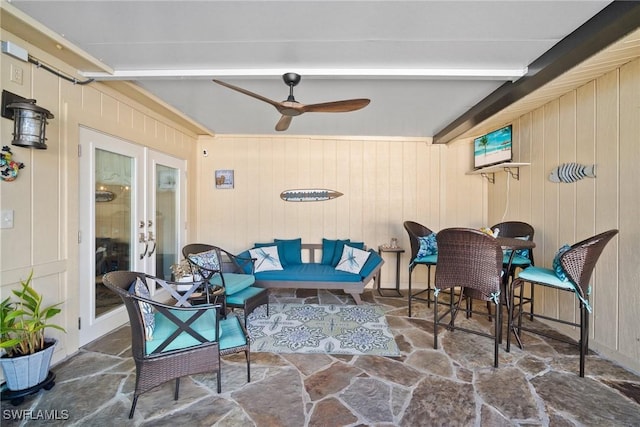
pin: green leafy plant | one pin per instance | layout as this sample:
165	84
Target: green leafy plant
24	321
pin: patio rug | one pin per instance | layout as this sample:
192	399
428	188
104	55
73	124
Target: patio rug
326	329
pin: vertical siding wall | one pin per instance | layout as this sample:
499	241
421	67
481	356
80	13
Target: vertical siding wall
597	123
44	198
385	182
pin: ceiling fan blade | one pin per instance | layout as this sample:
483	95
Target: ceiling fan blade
246	92
337	106
283	123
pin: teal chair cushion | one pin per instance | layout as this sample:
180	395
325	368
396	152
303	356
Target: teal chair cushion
546	276
550	277
205	325
240	297
231	333
428	259
518	260
234	282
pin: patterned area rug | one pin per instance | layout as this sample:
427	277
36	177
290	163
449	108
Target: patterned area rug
328	329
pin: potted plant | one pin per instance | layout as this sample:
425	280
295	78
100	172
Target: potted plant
22	325
182	274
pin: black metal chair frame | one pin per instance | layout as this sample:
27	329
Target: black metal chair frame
229	263
578	264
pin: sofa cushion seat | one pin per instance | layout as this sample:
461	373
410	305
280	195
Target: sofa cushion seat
234	282
312	272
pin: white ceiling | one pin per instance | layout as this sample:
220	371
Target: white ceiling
323	41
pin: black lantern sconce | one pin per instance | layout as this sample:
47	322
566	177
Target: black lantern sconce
29	120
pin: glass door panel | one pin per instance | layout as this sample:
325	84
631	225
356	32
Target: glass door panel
166	204
166	224
112	222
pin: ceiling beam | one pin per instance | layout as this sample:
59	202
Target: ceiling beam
612	23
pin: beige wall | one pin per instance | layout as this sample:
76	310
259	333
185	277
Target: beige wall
44	198
597	123
385	182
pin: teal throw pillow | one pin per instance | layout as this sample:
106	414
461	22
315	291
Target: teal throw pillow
557	267
428	245
329	249
290	250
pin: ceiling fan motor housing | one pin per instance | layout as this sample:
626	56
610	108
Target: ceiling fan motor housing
291	79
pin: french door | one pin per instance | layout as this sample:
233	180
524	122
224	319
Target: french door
132	217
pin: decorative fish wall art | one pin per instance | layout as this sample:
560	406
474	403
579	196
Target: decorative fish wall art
309	195
572	172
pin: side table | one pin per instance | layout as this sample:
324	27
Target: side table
398	251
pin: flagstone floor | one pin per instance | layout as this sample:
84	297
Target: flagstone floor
455	385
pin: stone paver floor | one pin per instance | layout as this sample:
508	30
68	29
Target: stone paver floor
455	385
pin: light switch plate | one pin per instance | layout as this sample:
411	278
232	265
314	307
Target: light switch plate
6	218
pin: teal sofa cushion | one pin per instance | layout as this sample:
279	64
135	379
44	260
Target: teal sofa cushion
205	325
328	249
372	262
247	267
309	272
290	250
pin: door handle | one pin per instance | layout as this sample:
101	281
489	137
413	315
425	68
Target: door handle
155	244
143	239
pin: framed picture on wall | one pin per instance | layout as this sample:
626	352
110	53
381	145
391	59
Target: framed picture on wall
224	178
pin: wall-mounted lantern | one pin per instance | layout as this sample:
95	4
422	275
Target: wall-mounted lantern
29	120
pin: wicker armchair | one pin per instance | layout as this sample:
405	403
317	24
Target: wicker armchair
471	260
218	267
577	264
169	342
415	231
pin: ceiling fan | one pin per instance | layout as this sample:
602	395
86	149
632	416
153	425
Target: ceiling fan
291	108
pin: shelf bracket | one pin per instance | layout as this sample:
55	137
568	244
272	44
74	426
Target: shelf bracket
515	175
491	177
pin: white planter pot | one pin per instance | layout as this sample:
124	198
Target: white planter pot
188	282
25	372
